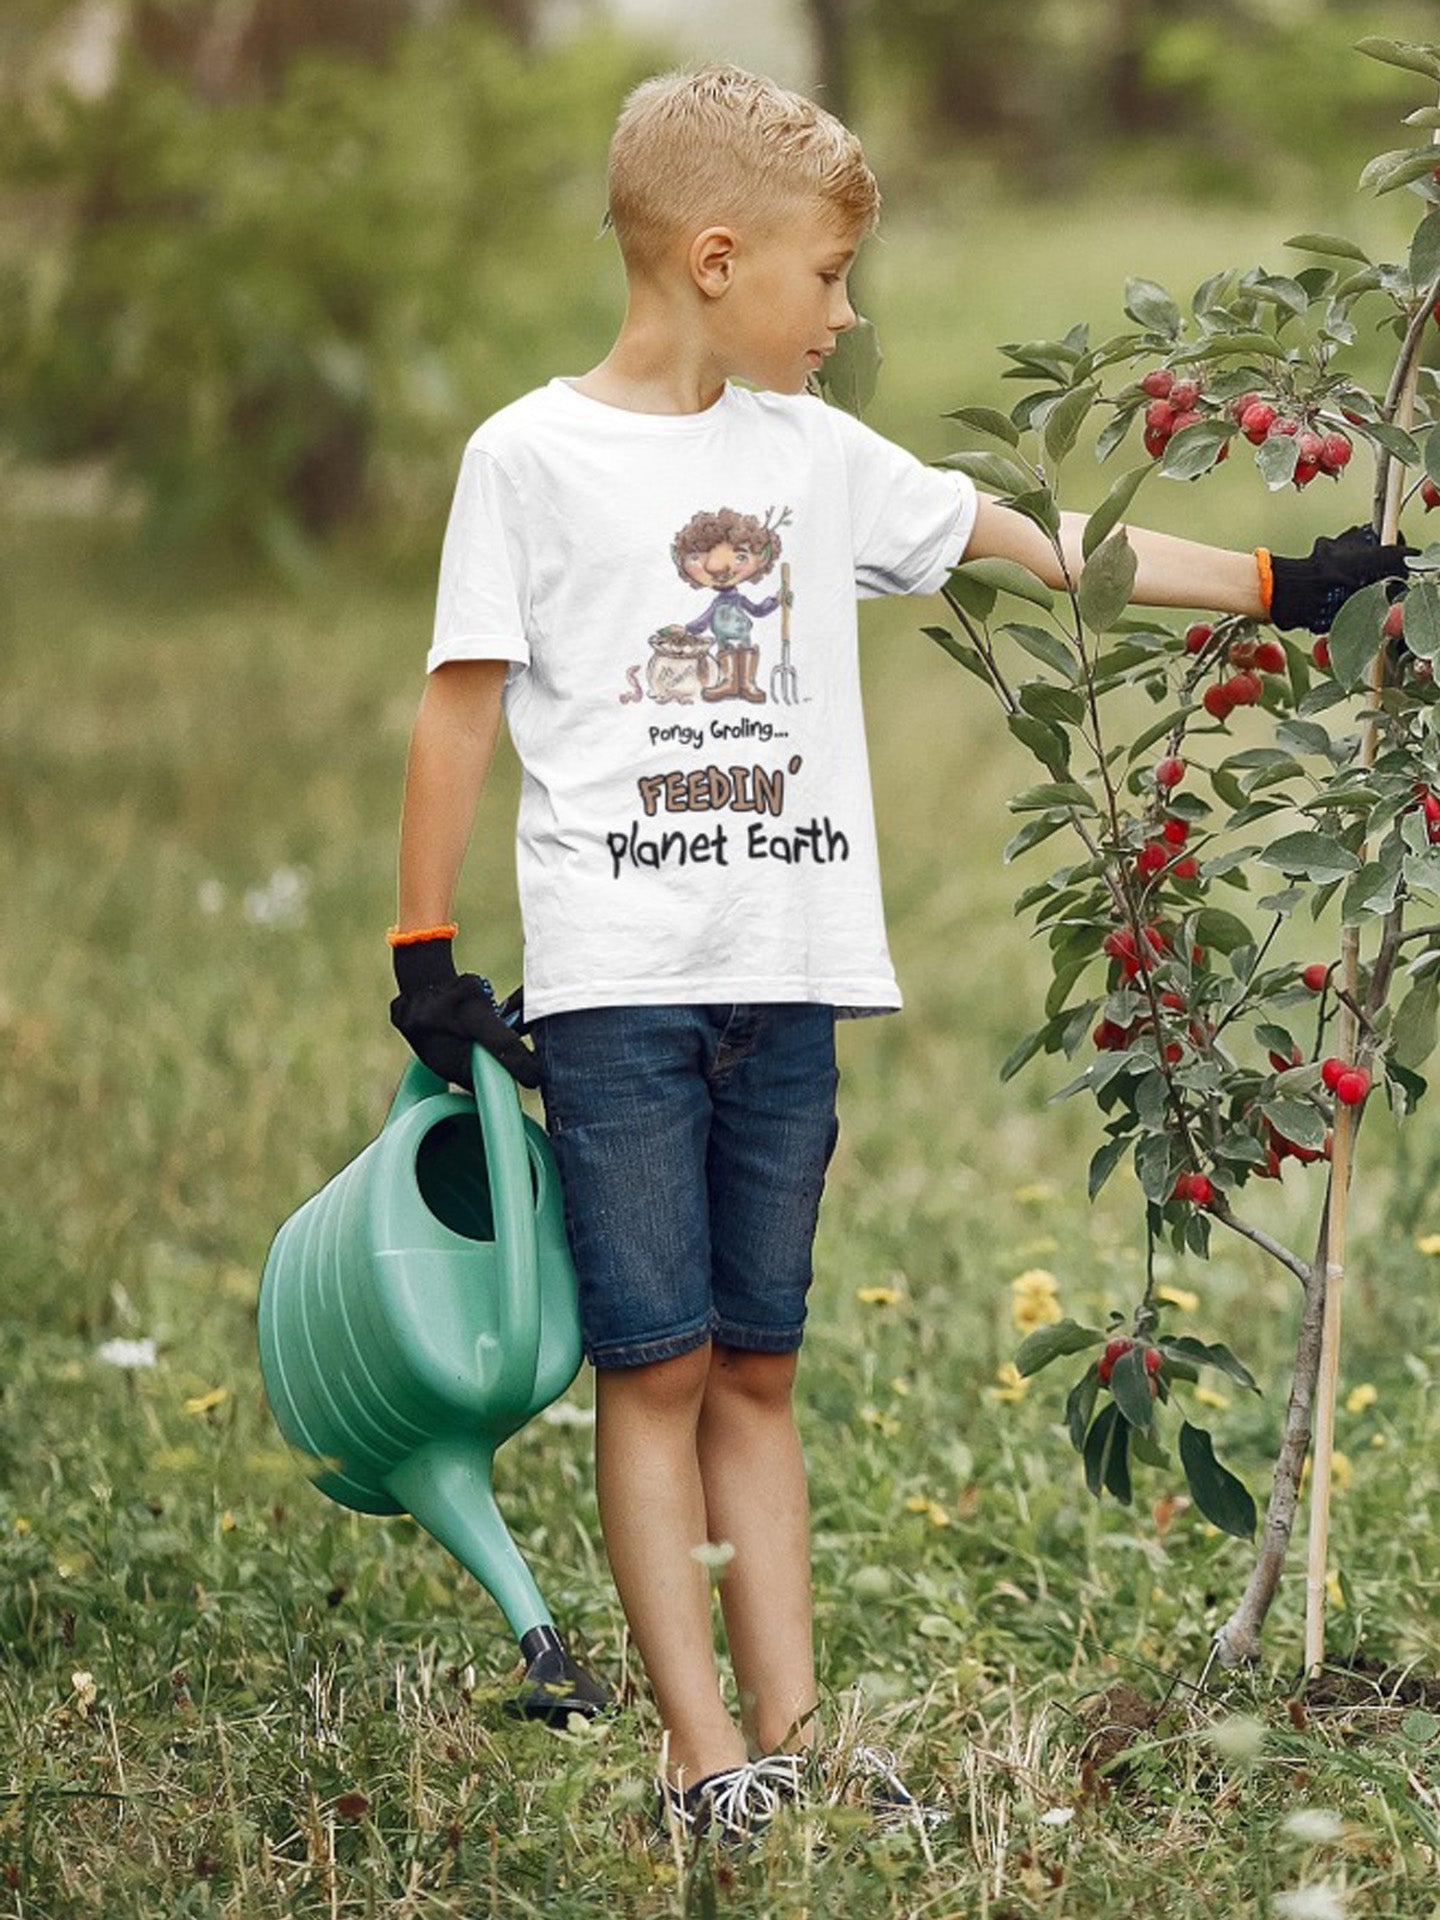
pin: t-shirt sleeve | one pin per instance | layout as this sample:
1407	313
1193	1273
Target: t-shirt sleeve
482	603
910	523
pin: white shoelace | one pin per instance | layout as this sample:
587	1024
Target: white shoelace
743	1799
893	1803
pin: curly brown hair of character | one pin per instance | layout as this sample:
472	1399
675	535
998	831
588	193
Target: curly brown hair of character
728	529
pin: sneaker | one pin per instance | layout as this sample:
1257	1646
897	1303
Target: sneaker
870	1778
735	1804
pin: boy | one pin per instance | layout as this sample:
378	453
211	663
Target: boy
696	852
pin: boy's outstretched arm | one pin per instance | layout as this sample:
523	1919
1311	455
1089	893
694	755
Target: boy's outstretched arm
1171	572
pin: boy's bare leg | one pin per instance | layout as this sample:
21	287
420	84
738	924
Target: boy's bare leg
652	1511
755	1497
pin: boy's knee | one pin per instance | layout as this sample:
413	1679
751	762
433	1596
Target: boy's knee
660	1387
763	1380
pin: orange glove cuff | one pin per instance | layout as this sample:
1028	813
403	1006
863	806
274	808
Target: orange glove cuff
1267	577
413	936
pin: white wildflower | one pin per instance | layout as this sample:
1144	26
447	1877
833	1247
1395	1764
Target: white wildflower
127	1353
280	902
1239	1738
564	1413
715	1555
1057	1817
1315	1826
1318	1902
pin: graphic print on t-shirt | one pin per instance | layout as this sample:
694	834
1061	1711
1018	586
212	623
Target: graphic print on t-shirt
718	553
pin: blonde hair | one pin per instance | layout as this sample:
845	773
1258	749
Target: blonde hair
719	146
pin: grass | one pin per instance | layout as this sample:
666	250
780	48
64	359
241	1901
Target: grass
221	1696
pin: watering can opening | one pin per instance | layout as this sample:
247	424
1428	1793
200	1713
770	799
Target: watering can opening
453	1175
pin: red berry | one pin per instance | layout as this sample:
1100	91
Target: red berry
1430	494
1242	653
1161	416
1153	1360
1352	1086
1316	975
1198	636
1256	421
1430	805
1305	472
1394	627
1156	440
1155	938
1116	1350
1272	1165
1182	1185
1217	702
1120	944
1320	652
1311	446
1151	857
1282	1065
1335	452
1170	772
1183	420
1284	425
1184	394
1245	688
1175	1001
1177	832
1186	869
1270	657
1331	1071
1202	1189
1241	405
1110	1038
1173	1053
1158	383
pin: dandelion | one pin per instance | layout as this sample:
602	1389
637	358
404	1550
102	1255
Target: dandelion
1012	1385
1428	1243
713	1555
1318	1902
280	902
1207	1397
1033	1301
128	1354
1313	1826
1180	1298
1360	1398
879	1296
206	1402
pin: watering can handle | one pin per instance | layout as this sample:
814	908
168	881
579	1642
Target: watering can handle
512	1202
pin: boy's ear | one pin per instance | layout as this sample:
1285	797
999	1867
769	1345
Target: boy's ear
712	260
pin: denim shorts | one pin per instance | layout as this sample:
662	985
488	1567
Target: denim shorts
692	1143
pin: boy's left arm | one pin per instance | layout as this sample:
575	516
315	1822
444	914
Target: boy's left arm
1172	572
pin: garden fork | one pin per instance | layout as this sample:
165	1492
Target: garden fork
784	683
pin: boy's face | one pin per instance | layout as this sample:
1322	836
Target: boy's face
783	299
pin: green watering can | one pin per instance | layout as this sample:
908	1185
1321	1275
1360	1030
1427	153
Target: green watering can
415	1313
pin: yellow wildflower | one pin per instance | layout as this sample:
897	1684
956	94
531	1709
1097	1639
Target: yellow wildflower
1361	1397
207	1402
22	1525
885	1422
1012	1386
1180	1297
1379	1440
933	1511
1034	1195
900	1387
878	1296
1332	1591
1341	1471
227	1521
1428	1243
1033	1301
1207	1397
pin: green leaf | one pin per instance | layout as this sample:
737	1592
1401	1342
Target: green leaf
1048	648
989	420
1422	619
1397	168
1112	507
995	470
1104	1162
1309	856
1048	746
1393	439
1045	1344
1413	1035
1058	793
1432	455
1026	1051
1030	835
1401	53
849	377
1222	1498
1329	243
1106	1448
1195	450
1151	307
1039	505
1277	459
1107	582
1183	1346
1425	248
1065	421
1223	931
1079	1405
1130	1385
1355	635
958	650
1296	1120
1007	576
1060	707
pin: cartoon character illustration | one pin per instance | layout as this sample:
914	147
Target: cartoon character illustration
720	551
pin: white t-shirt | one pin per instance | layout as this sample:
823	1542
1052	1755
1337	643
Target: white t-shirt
674	847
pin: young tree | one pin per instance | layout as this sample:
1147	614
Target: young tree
1213	1065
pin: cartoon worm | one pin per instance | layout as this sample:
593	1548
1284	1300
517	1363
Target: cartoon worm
632	674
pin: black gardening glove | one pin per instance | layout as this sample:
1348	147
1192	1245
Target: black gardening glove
1310	592
443	1014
